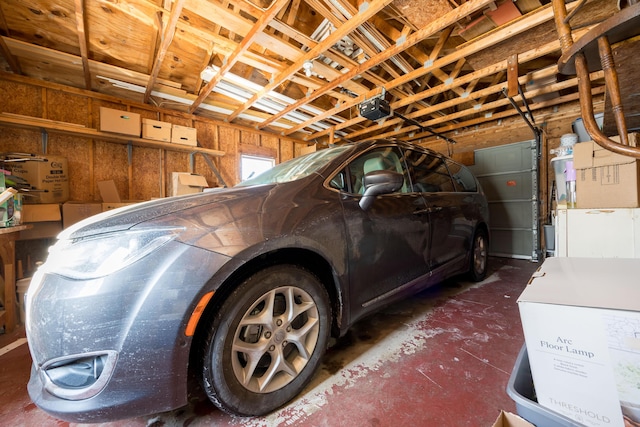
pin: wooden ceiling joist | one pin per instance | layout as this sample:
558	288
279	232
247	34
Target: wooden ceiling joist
436	26
411	50
167	37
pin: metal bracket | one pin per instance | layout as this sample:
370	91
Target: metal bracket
45	140
209	163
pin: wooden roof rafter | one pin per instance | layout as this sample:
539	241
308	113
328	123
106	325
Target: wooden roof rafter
486	109
428	68
4	49
230	61
436	26
167	37
82	42
502	115
544	14
374	7
466	79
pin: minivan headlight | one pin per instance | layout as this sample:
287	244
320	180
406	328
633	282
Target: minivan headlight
104	254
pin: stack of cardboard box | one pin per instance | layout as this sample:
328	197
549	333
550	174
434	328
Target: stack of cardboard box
43	185
127	123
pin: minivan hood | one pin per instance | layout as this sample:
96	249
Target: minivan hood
129	216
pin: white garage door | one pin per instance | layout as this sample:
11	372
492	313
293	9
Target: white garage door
509	177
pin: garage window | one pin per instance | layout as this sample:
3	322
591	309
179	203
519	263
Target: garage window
252	166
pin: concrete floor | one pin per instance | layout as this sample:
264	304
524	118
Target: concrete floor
441	358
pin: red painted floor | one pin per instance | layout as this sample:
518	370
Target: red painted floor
441	358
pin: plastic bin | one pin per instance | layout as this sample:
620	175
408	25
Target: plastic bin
520	389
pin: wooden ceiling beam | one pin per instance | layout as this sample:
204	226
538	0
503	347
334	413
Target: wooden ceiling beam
230	61
470	77
504	114
497	78
167	38
154	46
544	14
434	27
374	7
11	60
82	42
4	49
503	102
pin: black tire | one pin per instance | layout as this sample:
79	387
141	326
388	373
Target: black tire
479	256
266	341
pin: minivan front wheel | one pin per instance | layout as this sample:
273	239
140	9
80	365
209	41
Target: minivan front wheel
266	341
479	256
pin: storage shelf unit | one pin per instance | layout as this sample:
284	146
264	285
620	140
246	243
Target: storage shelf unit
25	122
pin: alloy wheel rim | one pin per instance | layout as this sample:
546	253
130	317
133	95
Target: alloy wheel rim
479	255
275	339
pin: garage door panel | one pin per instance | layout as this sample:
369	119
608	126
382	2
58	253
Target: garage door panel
509	176
511	215
506	158
511	243
515	185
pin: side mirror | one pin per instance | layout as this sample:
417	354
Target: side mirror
379	182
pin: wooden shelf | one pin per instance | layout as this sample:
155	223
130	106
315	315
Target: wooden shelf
26	122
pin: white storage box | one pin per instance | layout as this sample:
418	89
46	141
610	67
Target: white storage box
184	135
154	129
119	121
581	322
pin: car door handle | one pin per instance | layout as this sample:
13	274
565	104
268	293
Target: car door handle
427	210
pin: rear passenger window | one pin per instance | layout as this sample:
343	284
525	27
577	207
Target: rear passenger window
387	158
429	173
462	177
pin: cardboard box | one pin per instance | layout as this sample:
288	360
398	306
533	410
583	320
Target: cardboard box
109	191
186	183
581	322
45	219
111	197
119	121
154	129
48	177
73	212
184	135
107	206
41	213
507	419
605	179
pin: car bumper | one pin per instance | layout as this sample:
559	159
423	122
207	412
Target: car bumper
115	347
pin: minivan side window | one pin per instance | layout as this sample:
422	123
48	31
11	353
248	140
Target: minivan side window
386	158
429	173
462	177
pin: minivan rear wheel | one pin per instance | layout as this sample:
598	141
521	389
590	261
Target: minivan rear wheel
479	256
266	341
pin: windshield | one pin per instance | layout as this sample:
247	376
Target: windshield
297	168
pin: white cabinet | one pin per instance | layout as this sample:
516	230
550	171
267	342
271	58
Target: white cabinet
598	233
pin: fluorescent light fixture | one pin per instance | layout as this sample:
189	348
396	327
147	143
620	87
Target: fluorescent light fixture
240	89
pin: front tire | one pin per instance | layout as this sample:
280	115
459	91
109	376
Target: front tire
266	341
479	256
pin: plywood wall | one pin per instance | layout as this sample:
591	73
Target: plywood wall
139	173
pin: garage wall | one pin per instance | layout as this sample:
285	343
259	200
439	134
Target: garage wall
145	173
